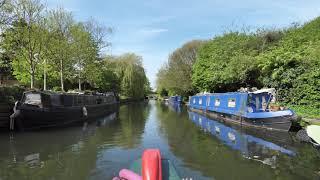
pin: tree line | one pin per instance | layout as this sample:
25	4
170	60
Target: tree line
48	49
286	59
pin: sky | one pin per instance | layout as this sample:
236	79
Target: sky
155	28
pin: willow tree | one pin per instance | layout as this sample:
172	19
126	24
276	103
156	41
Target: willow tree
129	69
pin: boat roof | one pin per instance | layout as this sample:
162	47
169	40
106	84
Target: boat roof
68	93
267	90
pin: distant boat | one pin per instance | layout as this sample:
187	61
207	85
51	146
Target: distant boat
38	109
245	108
175	100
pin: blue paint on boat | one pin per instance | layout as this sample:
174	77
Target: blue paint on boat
244	104
175	100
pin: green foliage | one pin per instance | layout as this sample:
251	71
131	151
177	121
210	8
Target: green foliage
132	74
288	60
285	59
48	49
306	111
175	75
10	94
292	66
163	92
228	62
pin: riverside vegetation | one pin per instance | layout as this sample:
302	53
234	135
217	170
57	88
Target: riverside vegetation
49	49
286	59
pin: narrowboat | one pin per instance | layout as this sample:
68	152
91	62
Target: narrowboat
244	108
38	109
175	100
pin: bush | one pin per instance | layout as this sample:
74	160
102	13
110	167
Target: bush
11	94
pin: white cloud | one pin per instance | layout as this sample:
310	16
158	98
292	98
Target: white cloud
148	33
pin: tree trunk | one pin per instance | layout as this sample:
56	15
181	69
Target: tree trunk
45	75
32	79
61	75
79	80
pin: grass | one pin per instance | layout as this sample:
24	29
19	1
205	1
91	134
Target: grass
306	111
308	114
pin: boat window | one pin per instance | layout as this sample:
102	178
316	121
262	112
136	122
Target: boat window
264	103
232	102
32	99
55	100
208	101
257	103
217	102
194	100
99	100
200	101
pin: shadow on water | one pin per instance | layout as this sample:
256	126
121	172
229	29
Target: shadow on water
221	151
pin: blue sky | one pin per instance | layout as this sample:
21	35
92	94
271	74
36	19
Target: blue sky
154	28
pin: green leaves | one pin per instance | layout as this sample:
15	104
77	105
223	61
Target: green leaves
45	49
175	75
288	60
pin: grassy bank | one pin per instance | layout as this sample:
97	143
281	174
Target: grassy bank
308	114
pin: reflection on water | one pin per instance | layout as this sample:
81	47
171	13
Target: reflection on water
177	107
199	147
251	147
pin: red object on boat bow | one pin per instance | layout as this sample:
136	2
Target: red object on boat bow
151	165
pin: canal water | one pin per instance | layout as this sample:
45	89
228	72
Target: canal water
200	148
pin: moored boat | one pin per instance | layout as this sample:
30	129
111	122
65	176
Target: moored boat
175	100
245	108
38	109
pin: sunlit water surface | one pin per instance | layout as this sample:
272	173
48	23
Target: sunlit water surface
200	148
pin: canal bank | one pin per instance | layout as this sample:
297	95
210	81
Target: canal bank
99	150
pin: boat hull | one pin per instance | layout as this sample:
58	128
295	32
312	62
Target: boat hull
282	123
35	118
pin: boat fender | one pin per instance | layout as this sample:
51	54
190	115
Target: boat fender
151	165
14	116
84	111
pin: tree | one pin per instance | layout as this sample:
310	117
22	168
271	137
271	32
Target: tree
6	13
23	38
83	49
60	23
98	33
176	74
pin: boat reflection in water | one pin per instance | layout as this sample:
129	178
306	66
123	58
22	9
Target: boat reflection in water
42	146
250	146
176	107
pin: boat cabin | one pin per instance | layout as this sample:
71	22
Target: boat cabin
248	104
175	99
48	99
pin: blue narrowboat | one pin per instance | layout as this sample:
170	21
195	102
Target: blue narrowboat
245	108
175	100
